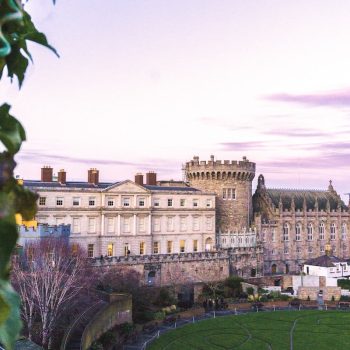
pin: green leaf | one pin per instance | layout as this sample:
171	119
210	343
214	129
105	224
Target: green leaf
8	239
12	133
10	324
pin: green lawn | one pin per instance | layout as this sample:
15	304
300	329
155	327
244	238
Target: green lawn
308	330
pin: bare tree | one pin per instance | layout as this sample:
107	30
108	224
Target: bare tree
51	276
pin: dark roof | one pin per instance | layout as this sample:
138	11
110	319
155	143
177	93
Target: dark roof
310	197
170	188
324	261
101	185
68	184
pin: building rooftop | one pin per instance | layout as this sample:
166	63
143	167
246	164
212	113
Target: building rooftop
324	261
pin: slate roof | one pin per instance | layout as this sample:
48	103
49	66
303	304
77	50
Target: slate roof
324	261
170	188
310	196
101	185
68	184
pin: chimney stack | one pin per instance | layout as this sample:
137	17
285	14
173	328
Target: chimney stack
151	178
139	179
93	176
46	174
62	177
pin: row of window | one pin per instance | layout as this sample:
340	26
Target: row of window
310	231
299	250
127	222
239	240
142	248
125	202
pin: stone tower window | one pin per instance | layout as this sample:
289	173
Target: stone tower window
321	230
285	232
298	232
333	230
229	194
310	232
343	231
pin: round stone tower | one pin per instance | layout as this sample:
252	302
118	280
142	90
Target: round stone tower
232	183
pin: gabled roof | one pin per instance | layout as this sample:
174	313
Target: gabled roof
324	261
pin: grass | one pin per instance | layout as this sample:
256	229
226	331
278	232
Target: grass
280	330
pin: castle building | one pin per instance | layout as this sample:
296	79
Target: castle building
297	225
127	218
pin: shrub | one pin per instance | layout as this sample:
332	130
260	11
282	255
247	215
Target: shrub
344	284
126	328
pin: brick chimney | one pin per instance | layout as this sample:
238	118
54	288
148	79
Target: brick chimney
151	178
93	176
46	174
62	177
139	179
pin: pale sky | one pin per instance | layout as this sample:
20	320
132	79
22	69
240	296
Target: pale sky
146	85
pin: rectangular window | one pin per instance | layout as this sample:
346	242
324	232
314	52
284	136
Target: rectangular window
126	224
59	221
155	247
76	201
169	247
142	248
183	223
182	202
90	250
195	245
110	202
229	193
126	202
156	202
273	235
92	225
156	224
195	223
182	246
233	193
42	200
110	225
59	201
170	202
142	224
74	248
110	249
224	193
208	203
76	225
92	201
170	223
141	202
195	203
126	249
209	223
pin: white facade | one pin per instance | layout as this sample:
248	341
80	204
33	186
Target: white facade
341	269
128	219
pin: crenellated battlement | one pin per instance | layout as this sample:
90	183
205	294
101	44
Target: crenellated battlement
220	170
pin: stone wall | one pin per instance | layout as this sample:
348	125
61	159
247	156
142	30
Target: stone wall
118	311
170	269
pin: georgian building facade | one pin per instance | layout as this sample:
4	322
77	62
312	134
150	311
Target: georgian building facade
127	218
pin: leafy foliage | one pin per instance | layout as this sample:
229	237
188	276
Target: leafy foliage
16	30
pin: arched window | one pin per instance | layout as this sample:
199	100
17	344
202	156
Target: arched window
310	231
273	268
333	230
298	232
285	232
321	230
343	231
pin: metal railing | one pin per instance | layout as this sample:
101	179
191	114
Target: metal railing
146	338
